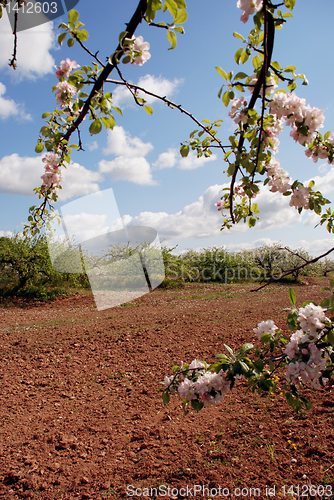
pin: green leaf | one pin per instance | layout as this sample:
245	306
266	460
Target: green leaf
259	364
221	72
70	42
39	148
292	320
172	7
245	348
240	76
229	350
108	122
266	337
331	283
45	115
251	222
95	127
184	151
149	110
126	59
172	38
257	63
196	405
61	38
237	35
289	4
226	98
327	135
73	16
245	56
165	398
290	69
181	16
237	55
292	296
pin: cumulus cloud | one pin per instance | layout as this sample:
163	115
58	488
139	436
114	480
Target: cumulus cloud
317	247
123	168
130	163
85	226
33	50
157	85
325	183
9	108
21	175
120	143
173	158
201	218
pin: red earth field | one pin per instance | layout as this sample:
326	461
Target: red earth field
81	415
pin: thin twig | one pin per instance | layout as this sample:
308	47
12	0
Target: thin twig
171	104
291	271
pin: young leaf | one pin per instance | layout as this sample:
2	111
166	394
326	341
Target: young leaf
73	16
165	398
184	151
95	127
149	110
221	72
292	296
172	38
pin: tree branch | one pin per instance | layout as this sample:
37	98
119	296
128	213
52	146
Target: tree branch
291	271
171	104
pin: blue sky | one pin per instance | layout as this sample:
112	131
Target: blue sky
139	159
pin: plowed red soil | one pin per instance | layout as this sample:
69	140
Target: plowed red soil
81	416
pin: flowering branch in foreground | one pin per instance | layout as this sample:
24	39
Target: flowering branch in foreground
307	355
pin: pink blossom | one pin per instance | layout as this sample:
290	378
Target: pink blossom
278	178
65	68
51	159
65	92
300	197
265	327
249	7
140	51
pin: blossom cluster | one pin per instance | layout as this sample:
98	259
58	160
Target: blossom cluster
306	361
139	51
65	69
203	385
249	7
52	176
304	120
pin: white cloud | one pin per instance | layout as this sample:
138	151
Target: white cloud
79	181
7	234
33	50
93	146
120	143
21	175
157	85
85	226
317	247
9	108
173	158
130	163
135	170
201	218
324	184
166	159
275	211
